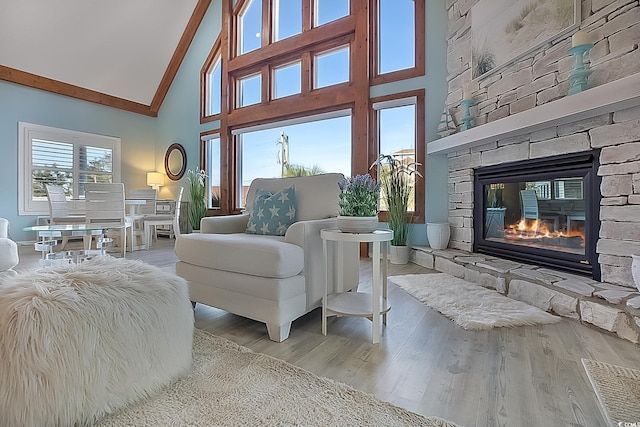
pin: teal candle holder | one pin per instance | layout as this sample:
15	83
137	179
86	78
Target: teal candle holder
467	120
580	74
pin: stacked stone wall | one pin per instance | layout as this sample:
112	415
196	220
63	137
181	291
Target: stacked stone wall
541	77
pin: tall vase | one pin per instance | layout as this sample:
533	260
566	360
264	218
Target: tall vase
635	270
438	234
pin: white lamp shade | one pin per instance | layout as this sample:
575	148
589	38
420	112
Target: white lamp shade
155	179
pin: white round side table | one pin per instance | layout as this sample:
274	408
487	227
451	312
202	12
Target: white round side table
360	304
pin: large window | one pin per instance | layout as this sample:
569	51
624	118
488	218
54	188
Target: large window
318	145
310	65
67	158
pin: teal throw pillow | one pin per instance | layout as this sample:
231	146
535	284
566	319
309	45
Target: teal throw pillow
272	213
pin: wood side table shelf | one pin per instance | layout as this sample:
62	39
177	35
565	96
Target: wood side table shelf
360	304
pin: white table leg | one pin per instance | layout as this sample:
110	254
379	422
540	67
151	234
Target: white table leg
375	294
385	251
326	287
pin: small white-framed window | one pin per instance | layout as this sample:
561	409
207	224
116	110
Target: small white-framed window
287	80
214	88
331	67
287	19
48	155
213	169
250	27
250	90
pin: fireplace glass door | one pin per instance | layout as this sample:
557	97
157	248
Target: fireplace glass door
548	214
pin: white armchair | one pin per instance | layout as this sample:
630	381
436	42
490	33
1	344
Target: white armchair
271	279
8	249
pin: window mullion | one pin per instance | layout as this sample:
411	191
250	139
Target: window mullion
307	15
267	82
267	23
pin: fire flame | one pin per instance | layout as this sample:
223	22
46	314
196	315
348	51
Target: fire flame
536	229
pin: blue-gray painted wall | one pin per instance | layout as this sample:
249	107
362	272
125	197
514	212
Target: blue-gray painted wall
145	139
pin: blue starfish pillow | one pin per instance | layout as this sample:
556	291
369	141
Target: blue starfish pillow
272	213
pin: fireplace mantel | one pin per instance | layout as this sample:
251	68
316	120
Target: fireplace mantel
609	97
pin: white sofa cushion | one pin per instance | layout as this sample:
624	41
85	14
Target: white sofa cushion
265	256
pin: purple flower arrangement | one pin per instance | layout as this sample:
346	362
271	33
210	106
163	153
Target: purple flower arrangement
359	196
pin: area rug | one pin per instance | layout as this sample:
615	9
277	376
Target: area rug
470	306
618	391
230	385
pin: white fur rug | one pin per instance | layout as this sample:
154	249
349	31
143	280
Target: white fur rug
232	386
470	306
80	341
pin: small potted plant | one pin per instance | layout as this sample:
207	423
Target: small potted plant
358	204
397	178
495	212
197	190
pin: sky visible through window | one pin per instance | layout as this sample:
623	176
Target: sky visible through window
325	144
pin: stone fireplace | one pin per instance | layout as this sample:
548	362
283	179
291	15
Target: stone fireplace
602	123
540	210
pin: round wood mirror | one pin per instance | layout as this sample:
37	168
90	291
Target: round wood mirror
175	161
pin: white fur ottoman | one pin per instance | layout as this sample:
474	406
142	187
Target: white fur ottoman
80	341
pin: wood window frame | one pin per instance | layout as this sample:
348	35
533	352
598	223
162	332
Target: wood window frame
418	216
352	29
419	55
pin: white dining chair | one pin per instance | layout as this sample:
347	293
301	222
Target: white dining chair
59	210
105	205
151	222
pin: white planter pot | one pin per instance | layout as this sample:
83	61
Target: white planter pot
635	270
399	254
438	234
357	224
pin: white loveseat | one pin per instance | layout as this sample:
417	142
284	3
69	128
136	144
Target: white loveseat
271	279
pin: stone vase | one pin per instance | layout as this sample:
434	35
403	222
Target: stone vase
635	270
399	254
438	234
357	224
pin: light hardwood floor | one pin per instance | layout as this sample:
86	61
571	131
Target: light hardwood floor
525	376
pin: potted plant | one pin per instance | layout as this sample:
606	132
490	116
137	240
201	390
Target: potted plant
197	190
397	179
358	204
495	211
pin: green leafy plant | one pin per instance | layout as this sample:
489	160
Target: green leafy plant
197	189
494	196
300	170
483	61
397	184
359	196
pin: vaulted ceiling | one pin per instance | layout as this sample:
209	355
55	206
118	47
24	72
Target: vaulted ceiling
121	53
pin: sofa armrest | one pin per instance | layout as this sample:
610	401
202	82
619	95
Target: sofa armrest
306	234
298	231
224	224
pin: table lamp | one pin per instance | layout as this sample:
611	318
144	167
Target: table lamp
155	180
